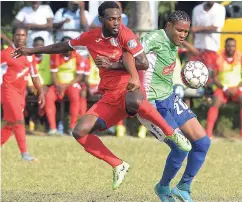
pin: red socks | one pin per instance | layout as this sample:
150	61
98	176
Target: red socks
148	112
20	136
211	119
93	145
6	132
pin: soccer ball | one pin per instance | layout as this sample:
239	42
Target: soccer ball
194	74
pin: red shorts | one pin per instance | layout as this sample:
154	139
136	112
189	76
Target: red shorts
207	57
13	104
235	98
110	108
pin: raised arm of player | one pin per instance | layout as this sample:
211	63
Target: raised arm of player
61	47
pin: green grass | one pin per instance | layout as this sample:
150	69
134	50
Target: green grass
67	173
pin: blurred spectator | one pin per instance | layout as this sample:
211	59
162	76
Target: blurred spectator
73	17
206	18
15	75
96	23
4	38
38	19
228	81
43	66
67	72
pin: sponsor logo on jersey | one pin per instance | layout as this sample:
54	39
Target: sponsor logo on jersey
132	44
169	69
98	40
114	42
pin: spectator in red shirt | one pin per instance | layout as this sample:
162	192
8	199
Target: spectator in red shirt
15	77
67	70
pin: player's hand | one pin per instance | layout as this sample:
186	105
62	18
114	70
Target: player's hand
61	88
104	62
133	84
21	51
41	100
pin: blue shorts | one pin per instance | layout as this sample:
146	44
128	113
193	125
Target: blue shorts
174	111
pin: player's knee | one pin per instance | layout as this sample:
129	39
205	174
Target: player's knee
133	101
80	130
202	145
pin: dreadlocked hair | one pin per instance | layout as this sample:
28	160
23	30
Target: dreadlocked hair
178	16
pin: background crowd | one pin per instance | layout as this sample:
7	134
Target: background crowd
75	76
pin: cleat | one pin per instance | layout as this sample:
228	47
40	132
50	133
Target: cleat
142	132
180	140
182	195
164	193
27	157
120	131
52	132
118	174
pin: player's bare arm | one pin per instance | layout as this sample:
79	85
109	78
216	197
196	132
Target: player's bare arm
61	47
141	63
37	85
134	82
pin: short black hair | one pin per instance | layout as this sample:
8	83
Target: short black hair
66	37
178	16
105	5
229	39
39	38
14	30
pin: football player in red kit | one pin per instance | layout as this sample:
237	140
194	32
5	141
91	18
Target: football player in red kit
122	97
15	72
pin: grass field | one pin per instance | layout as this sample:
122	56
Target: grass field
67	173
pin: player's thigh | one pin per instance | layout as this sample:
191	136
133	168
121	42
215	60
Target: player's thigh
73	92
165	108
107	114
193	130
51	94
13	111
219	97
187	121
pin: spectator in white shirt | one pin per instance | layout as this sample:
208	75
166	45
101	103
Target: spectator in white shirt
207	17
72	17
38	19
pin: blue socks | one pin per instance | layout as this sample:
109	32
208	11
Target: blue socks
195	160
196	157
173	163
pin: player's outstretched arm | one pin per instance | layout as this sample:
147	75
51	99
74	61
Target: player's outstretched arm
61	47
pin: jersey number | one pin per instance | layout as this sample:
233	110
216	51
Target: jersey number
180	106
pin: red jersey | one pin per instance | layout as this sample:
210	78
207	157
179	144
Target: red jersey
15	71
68	67
111	47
